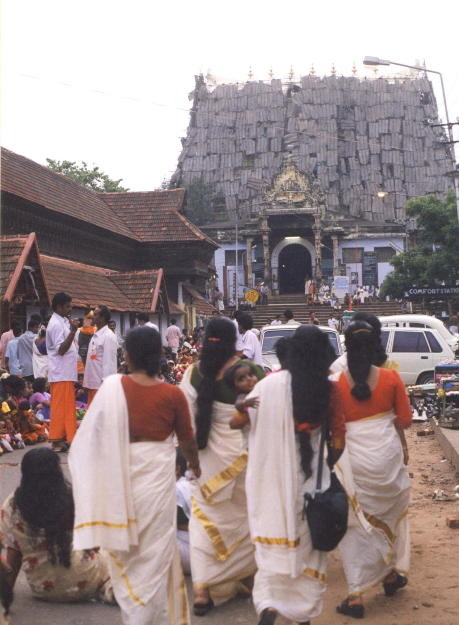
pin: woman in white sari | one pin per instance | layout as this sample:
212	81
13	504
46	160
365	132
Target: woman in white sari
283	461
123	472
221	552
372	470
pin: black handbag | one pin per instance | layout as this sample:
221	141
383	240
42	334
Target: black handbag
326	512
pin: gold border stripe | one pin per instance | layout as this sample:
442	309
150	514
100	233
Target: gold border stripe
380	525
126	580
313	573
283	542
380	415
221	550
224	477
106	524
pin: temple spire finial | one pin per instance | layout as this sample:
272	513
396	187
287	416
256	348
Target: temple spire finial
271	73
354	69
250	75
312	71
291	73
333	70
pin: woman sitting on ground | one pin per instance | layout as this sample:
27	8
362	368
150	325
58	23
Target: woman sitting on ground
36	524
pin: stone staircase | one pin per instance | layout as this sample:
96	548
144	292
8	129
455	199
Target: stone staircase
297	303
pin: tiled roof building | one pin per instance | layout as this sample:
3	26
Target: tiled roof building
103	248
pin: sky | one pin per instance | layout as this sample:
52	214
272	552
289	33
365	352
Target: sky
107	81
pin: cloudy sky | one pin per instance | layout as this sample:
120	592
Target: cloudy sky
107	81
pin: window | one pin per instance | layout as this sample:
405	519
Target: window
384	254
434	344
384	338
352	254
410	342
230	258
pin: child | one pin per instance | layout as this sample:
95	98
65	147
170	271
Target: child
40	400
242	379
30	429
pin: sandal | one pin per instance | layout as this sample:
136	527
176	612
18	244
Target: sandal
201	609
390	588
267	617
356	610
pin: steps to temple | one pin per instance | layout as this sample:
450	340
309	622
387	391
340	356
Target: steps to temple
264	314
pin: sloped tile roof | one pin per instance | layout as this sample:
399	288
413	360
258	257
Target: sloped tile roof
27	179
88	285
154	216
15	251
203	307
141	287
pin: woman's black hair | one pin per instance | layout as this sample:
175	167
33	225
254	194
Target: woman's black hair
282	350
230	374
39	385
380	356
143	345
44	499
218	347
309	360
361	345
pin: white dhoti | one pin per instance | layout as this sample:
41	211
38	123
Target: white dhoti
377	540
221	552
125	502
291	575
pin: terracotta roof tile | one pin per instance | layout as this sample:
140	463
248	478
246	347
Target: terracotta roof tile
203	307
88	285
154	216
15	252
29	180
10	251
141	287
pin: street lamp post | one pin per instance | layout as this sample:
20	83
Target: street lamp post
375	60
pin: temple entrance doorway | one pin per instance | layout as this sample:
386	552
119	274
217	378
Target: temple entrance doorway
295	265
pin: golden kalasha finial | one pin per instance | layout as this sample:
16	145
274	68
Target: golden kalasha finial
312	71
250	73
271	73
333	70
354	69
291	73
375	70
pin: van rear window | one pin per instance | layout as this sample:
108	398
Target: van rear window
434	344
410	342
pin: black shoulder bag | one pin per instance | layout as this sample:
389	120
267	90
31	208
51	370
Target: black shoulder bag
326	511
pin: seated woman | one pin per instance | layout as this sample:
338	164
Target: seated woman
28	426
36	524
40	400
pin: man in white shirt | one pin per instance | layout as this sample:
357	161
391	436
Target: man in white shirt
289	319
239	346
144	320
276	321
173	338
25	349
332	322
62	371
251	347
101	360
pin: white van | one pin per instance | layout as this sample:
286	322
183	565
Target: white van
421	321
416	351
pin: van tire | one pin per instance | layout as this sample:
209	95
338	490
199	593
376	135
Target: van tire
427	377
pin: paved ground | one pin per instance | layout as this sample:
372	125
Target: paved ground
431	598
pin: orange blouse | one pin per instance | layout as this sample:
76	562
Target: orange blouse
388	395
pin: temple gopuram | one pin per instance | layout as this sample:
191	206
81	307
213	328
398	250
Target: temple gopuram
308	179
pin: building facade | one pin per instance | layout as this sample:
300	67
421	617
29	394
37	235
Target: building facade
309	179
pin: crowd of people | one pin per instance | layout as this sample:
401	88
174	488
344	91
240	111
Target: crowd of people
181	454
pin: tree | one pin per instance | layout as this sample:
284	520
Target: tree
434	258
200	198
92	178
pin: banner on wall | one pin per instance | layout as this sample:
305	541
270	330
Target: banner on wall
341	285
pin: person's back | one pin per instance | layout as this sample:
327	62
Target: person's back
25	349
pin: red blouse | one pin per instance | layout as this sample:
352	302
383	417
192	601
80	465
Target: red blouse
156	411
388	395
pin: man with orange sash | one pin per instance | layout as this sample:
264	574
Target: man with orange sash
62	371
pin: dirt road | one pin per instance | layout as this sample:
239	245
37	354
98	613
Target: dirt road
431	597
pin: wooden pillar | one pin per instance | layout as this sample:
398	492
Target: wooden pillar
249	253
317	229
335	255
266	252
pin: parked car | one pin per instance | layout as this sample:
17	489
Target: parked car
271	334
421	321
416	350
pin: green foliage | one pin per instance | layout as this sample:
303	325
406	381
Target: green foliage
200	199
92	178
435	256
